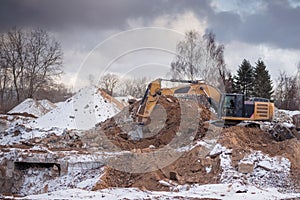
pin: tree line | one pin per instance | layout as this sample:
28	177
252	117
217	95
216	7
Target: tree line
256	82
202	58
30	65
253	81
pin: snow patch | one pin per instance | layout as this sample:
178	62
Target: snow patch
269	172
217	191
33	107
82	111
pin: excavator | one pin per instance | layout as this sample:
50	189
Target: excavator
231	109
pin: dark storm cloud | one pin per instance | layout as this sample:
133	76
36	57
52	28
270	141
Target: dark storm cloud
104	14
225	24
277	23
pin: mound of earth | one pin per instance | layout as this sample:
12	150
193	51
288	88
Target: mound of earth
173	122
86	108
33	108
188	169
195	165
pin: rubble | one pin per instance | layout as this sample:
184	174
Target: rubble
245	167
178	152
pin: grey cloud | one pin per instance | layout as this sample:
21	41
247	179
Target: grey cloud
225	24
104	14
277	24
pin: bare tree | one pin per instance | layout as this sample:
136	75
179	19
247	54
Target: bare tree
109	82
187	61
287	92
13	56
92	79
44	61
135	87
4	74
55	92
200	57
29	60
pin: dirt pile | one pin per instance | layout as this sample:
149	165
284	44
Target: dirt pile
173	122
32	108
190	168
195	167
87	107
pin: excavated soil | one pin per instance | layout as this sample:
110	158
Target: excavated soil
192	166
188	169
186	117
173	122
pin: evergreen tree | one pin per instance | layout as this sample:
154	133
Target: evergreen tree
243	81
262	81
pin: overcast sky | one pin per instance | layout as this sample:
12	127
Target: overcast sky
98	36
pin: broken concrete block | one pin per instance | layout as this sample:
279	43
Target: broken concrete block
246	167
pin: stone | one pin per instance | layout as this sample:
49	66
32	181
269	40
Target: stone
9	173
246	167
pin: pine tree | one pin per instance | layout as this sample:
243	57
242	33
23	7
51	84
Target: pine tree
262	81
243	81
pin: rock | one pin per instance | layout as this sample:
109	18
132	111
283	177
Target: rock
169	100
94	145
246	167
55	167
217	150
37	140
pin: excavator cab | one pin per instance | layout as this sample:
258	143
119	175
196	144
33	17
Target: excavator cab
233	105
236	109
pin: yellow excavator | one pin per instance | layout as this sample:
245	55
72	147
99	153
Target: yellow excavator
231	109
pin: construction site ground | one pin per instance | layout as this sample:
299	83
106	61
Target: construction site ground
179	150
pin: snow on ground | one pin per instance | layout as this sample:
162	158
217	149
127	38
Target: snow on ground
13	129
19	133
7	121
268	172
33	107
218	191
291	112
82	111
75	179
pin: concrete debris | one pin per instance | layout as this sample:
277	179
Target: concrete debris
106	155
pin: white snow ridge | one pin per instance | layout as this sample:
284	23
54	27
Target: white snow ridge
33	107
86	108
